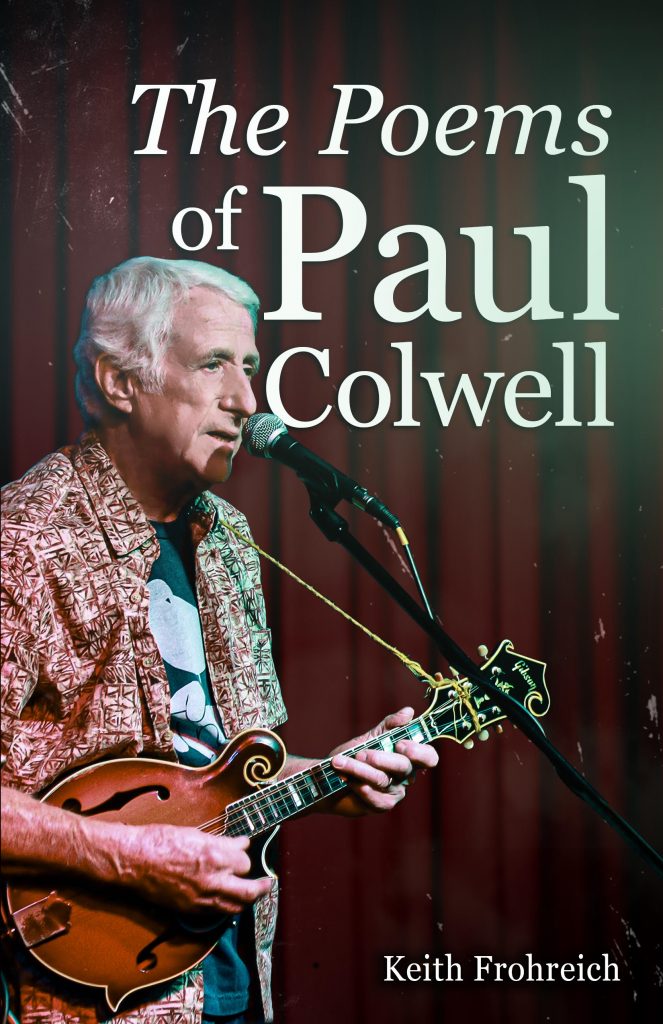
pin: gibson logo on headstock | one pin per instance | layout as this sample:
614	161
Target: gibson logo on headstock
521	667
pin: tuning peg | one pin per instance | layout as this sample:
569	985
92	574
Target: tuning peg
500	730
483	735
468	744
482	651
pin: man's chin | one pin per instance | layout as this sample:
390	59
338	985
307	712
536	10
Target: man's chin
218	470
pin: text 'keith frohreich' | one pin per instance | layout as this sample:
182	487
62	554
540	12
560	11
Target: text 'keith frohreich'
485	967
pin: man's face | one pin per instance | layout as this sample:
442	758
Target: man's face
192	428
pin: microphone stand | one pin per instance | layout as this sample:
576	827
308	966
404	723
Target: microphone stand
336	529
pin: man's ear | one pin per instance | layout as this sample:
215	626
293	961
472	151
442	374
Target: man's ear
117	386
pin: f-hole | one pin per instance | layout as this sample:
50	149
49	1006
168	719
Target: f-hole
117	801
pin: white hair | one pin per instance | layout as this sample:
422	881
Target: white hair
129	313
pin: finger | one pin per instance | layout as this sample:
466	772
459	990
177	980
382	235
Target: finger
421	755
226	907
353	768
401	717
243	890
396	765
231	859
241	842
380	800
234	894
236	846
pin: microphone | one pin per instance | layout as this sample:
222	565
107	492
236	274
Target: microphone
267	437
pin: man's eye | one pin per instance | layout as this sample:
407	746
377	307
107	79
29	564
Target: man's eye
212	364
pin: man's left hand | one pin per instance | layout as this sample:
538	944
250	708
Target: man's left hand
378	778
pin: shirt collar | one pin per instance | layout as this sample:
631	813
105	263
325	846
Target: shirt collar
203	515
121	516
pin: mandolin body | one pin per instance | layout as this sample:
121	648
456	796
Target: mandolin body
107	936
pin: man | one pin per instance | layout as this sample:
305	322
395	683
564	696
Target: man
134	624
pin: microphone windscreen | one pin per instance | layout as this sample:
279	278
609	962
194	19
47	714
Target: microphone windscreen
259	431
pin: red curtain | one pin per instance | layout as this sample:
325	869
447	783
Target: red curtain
548	535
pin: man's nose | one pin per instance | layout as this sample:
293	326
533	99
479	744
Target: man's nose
237	396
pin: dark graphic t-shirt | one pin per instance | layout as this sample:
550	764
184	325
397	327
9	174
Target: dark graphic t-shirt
175	624
199	735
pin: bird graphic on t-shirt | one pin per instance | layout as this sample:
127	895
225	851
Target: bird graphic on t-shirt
175	624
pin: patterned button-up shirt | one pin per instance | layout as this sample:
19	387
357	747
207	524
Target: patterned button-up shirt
82	678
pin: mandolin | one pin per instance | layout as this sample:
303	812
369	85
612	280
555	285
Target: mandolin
106	937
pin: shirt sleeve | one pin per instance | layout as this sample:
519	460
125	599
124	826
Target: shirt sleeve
20	638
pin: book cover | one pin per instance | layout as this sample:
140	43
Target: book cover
453	219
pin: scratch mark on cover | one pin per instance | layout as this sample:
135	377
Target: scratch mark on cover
13	91
7	109
50	67
622	957
630	934
396	548
61	214
652	708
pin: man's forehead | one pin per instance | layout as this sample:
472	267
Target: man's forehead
204	312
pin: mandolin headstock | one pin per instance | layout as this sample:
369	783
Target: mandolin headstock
519	677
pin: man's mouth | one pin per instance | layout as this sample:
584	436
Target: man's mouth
223	435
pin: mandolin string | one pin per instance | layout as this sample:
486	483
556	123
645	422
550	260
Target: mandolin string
271	795
282	803
278	795
280	800
298	778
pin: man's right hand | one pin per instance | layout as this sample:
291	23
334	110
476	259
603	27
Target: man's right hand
187	869
174	866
